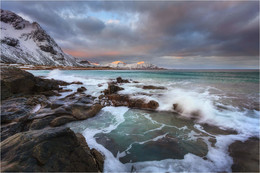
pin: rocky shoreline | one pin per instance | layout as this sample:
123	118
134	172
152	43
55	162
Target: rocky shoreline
34	138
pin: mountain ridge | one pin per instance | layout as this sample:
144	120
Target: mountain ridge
138	65
27	43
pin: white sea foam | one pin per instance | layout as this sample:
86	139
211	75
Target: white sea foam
111	163
90	83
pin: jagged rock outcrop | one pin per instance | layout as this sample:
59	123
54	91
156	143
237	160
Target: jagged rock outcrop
112	98
15	81
27	43
52	149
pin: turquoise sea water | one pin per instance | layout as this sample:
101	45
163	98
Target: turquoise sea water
164	140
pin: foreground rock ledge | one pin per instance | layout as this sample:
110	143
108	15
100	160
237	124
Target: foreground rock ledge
50	149
245	155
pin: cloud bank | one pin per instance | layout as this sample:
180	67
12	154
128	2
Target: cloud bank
199	34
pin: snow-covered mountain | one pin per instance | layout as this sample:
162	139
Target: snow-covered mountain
27	43
138	65
116	64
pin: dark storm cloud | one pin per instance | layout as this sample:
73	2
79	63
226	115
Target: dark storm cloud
90	25
223	33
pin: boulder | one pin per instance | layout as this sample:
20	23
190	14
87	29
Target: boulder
48	150
15	81
112	89
120	80
152	104
82	112
81	89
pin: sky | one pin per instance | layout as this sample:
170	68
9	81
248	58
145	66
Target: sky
169	34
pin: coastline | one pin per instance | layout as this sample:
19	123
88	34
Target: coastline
43	67
49	116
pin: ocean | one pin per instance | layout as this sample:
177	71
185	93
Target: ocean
216	109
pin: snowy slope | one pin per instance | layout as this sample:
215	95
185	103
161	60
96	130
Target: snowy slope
138	65
27	43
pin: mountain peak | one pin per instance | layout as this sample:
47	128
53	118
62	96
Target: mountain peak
27	43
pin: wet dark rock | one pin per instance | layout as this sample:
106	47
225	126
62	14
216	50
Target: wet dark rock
57	103
153	87
153	104
50	93
65	90
125	100
37	99
212	141
76	82
81	89
11	78
10	129
61	120
112	89
70	96
82	112
215	130
14	110
85	100
120	80
101	96
51	149
49	84
99	158
119	100
62	110
15	82
245	155
41	123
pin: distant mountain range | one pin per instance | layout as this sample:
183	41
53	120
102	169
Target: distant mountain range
27	43
138	65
